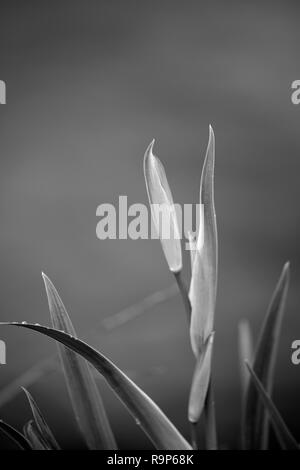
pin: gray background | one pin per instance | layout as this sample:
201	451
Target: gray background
89	84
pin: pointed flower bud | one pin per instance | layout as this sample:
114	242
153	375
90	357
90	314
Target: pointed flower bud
163	209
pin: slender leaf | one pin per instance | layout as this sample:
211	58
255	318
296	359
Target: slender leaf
34	436
200	382
15	436
147	414
255	417
203	286
41	424
283	434
163	209
85	397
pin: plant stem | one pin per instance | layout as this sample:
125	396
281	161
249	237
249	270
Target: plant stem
210	420
184	294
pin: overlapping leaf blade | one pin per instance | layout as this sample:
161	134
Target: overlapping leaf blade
41	424
147	414
255	415
283	434
85	397
17	437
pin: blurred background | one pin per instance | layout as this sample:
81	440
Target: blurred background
89	84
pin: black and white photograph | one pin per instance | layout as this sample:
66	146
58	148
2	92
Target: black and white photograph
150	229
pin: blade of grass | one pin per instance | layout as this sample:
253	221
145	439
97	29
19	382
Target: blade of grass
18	438
130	313
84	394
255	416
41	424
211	442
283	434
194	437
245	345
147	414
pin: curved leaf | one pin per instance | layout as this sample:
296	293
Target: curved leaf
41	424
147	414
85	397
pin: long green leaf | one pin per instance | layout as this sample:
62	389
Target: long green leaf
15	436
147	414
255	417
41	424
84	394
283	434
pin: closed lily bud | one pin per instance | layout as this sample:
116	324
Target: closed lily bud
163	209
203	285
